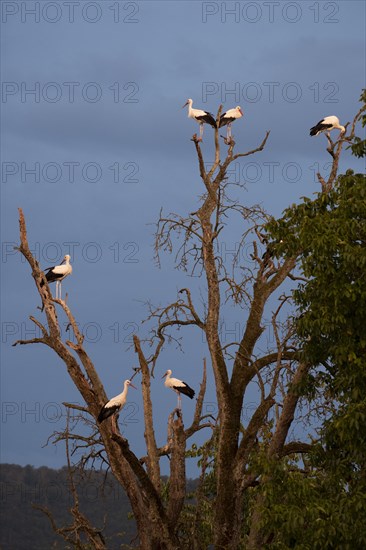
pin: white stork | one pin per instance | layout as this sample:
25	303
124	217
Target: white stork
228	118
200	116
326	125
114	405
58	273
178	386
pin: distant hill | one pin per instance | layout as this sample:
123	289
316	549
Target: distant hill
101	499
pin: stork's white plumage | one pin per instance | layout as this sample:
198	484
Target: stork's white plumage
178	386
200	116
229	117
58	273
114	405
326	125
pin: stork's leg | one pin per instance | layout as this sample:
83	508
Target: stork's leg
56	290
201	130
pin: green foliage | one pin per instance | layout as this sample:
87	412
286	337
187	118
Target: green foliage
314	511
324	505
329	234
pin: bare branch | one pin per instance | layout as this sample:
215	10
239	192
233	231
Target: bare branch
296	447
153	457
192	308
253	151
271	358
31	341
197	419
75	407
250	434
205	178
288	411
354	122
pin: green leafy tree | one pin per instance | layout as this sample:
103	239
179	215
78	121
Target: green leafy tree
324	505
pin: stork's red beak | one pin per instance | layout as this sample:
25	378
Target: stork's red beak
164	375
186	103
132	386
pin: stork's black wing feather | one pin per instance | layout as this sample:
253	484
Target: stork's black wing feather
208	118
52	277
320	127
187	390
106	412
48	269
225	120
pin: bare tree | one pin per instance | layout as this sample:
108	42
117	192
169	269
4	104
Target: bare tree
238	366
253	289
142	484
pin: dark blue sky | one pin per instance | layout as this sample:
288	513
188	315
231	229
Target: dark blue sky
94	143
